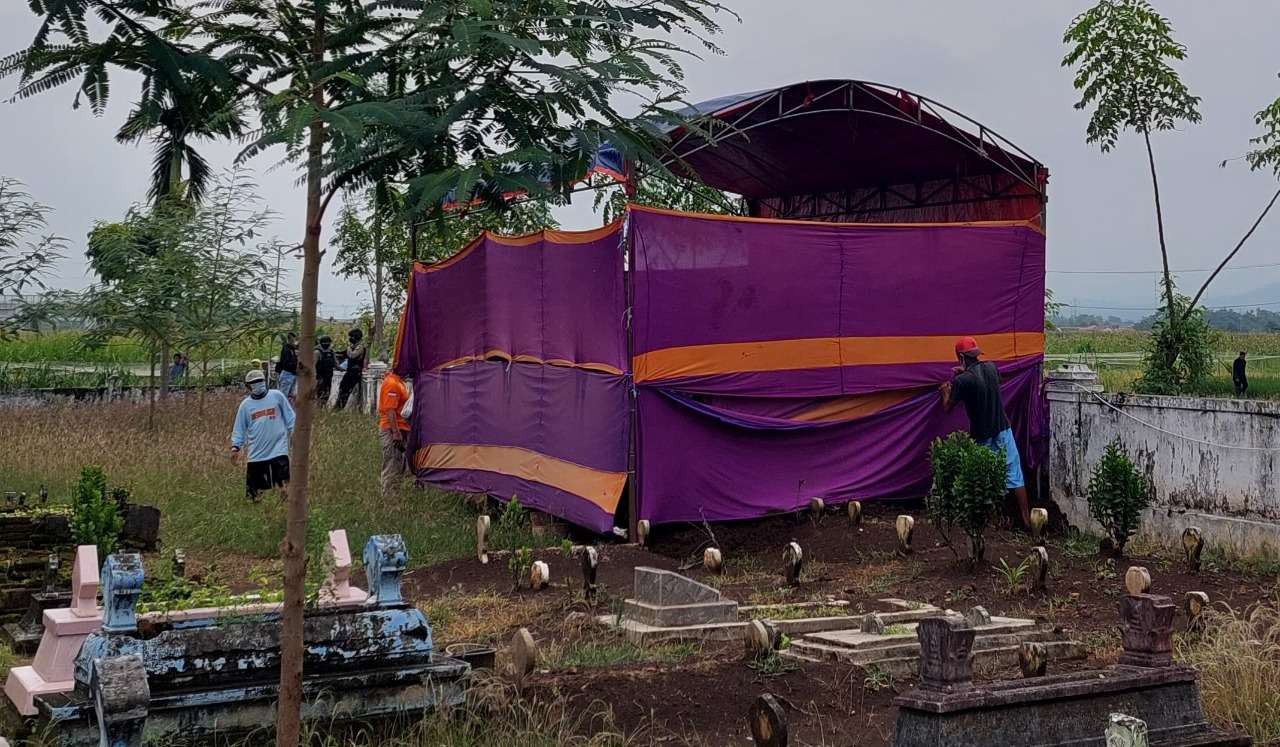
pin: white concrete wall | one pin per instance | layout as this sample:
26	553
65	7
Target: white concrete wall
1232	494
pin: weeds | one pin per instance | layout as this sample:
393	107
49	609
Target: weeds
1077	544
612	652
1238	656
7	660
1010	577
876	679
770	664
784	612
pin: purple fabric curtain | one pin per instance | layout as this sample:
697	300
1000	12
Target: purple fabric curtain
742	327
699	462
517	351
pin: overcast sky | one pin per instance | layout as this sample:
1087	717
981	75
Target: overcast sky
995	60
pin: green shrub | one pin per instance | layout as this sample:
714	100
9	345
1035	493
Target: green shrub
95	519
1178	356
968	487
1118	494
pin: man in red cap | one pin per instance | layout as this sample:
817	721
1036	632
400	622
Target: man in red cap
977	386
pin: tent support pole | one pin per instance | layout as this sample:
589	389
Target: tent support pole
633	426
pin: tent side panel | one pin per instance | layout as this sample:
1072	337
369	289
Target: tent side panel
517	353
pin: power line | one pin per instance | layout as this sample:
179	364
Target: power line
1156	272
1157	308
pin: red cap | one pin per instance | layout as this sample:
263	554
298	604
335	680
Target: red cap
967	346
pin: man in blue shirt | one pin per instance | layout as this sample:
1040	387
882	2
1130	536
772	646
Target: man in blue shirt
264	424
976	385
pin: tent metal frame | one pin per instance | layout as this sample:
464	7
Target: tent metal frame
986	143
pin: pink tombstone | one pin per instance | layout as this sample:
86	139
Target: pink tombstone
84	583
53	670
338	589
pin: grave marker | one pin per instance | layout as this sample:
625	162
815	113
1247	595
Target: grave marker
590	564
1193	546
524	654
1126	731
946	654
482	538
905	525
1033	659
792	563
768	722
1137	580
666	599
854	509
1148	631
713	560
1039	568
1195	603
1039	520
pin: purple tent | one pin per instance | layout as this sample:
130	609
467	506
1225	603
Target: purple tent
768	359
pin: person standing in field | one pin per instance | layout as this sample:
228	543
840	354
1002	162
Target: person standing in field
179	368
326	362
977	386
354	356
1239	376
287	368
392	428
263	425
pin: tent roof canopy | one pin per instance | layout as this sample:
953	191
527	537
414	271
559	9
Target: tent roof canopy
839	135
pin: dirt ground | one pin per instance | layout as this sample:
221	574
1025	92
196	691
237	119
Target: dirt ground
703	698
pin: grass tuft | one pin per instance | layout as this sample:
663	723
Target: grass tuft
1238	656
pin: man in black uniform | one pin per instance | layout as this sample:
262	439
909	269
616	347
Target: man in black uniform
1238	375
326	362
355	357
977	385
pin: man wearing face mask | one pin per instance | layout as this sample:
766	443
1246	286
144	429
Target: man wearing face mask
263	424
355	355
326	362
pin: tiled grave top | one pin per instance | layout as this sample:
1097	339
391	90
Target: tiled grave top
666	589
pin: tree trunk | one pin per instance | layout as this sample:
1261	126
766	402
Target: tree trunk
377	278
1222	265
1172	355
164	370
204	378
293	549
151	391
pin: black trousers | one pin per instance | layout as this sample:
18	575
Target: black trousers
350	382
324	383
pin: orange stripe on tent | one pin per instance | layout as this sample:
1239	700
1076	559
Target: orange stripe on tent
555	237
853	407
602	488
822	352
505	356
1032	223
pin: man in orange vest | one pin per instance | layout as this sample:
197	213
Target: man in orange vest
392	427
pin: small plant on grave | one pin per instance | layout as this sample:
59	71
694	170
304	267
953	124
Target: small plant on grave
1118	494
520	563
876	679
95	519
566	547
1011	577
968	488
770	664
512	528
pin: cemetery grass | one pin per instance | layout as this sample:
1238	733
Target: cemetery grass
182	467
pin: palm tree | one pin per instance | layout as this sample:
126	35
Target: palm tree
172	118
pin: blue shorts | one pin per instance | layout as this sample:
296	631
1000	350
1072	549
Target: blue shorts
1013	473
287	384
